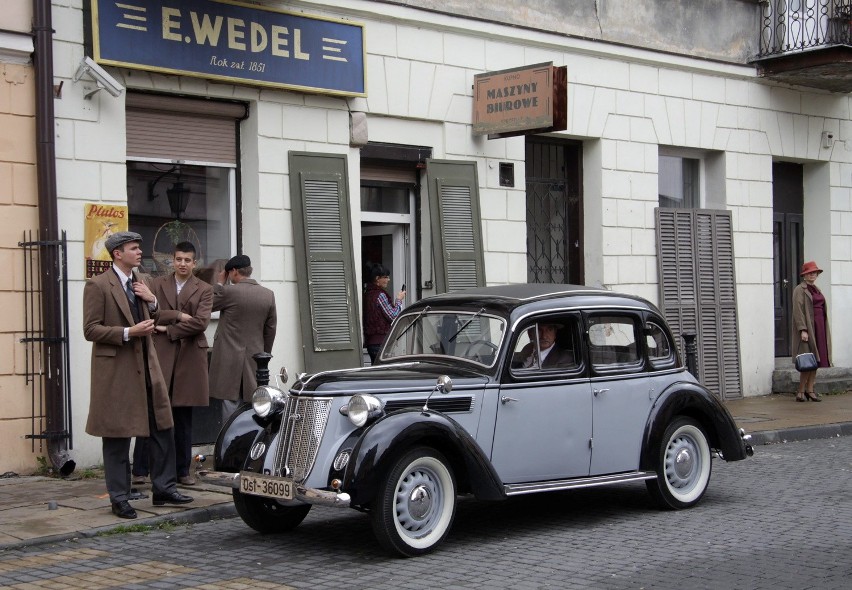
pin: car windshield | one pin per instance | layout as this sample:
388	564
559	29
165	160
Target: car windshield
472	335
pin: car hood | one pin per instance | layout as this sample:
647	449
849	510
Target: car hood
397	377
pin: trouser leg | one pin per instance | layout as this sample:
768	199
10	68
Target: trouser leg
161	452
229	406
117	468
140	456
183	439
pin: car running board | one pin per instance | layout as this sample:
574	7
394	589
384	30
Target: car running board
517	489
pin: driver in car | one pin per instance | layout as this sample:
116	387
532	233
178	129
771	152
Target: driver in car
550	355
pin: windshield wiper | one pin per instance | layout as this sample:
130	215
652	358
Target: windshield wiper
466	324
409	326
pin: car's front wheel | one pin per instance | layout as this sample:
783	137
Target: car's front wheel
265	515
683	471
416	503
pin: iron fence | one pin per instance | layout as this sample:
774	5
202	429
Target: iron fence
800	25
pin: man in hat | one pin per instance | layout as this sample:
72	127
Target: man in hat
550	354
128	394
247	323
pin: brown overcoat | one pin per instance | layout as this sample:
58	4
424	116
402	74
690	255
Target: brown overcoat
182	349
803	319
247	324
118	404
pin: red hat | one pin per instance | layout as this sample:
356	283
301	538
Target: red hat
810	267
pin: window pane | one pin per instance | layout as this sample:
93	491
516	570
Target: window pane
169	204
383	199
679	182
612	340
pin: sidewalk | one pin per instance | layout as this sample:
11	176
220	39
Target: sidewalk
36	509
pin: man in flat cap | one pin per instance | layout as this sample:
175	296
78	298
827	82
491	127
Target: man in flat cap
128	395
247	323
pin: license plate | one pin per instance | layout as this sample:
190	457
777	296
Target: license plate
266	485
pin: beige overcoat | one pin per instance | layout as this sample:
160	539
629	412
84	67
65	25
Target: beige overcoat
247	324
118	404
803	319
182	349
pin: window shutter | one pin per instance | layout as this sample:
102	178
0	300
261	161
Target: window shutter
456	225
324	264
698	291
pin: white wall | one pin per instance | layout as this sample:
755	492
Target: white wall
623	104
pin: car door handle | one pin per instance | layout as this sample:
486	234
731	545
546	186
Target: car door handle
597	391
506	399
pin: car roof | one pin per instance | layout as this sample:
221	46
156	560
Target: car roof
535	296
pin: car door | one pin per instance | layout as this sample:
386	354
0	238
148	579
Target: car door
544	415
621	390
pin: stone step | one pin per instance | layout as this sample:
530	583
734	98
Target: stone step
785	379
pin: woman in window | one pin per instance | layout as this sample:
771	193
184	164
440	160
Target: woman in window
810	328
379	309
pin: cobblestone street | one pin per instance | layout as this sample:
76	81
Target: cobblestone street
782	519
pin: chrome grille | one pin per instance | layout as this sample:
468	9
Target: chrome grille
302	426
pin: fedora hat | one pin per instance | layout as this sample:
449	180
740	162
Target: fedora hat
810	266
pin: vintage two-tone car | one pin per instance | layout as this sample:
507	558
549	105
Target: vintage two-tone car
493	392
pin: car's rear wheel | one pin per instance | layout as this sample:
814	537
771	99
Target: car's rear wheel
416	503
265	515
683	472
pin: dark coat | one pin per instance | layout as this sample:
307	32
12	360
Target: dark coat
118	404
556	358
182	349
247	326
803	319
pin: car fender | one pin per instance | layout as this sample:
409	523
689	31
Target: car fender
695	401
236	439
384	441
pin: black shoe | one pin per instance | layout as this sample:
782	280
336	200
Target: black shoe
174	497
123	509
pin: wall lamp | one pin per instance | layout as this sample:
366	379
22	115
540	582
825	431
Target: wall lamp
178	194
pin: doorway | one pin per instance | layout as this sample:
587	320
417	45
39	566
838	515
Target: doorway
386	244
554	211
787	245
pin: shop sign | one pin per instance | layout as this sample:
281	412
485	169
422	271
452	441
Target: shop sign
520	101
100	222
231	42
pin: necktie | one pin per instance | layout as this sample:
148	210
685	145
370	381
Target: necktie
131	296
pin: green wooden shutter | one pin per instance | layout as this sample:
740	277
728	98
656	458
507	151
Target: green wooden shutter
695	258
324	264
456	229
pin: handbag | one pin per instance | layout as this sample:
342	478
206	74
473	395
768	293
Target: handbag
806	362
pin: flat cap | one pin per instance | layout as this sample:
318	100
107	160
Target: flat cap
239	261
118	239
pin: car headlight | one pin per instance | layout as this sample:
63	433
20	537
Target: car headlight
362	408
267	400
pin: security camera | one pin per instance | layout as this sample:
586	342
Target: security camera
99	75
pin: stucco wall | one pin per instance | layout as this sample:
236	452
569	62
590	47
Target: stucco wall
716	29
18	208
624	104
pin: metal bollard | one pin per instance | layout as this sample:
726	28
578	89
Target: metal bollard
691	348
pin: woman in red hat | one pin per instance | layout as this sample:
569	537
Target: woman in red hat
810	328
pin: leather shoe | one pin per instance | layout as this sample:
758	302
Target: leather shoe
174	497
123	509
186	480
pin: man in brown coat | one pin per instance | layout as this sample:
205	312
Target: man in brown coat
185	304
246	326
128	395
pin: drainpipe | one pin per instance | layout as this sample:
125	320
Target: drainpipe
56	435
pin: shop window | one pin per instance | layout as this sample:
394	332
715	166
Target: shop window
170	203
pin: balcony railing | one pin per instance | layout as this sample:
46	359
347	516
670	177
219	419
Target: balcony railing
789	26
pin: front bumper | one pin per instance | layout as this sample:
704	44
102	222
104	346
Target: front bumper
301	493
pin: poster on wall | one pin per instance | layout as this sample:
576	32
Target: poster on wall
101	221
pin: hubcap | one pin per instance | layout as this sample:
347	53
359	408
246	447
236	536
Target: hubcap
681	463
419	502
